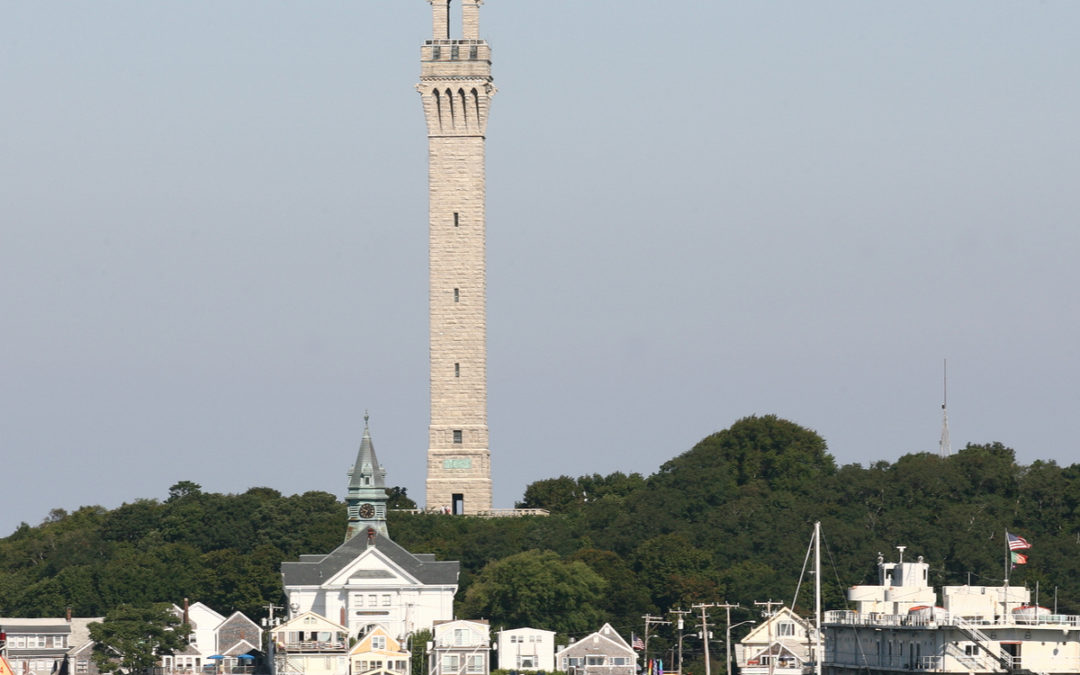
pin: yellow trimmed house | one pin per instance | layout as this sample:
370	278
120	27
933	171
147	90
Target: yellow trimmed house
378	653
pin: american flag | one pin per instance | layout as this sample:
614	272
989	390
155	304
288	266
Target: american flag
1017	543
637	643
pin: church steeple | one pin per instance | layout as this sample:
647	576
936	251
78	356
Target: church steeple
366	498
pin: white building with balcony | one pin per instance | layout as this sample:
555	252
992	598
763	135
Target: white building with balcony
460	647
783	644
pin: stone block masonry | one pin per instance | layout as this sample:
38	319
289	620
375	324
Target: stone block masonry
456	89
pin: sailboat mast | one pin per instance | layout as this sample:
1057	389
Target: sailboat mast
817	598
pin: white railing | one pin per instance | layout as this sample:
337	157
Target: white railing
490	513
849	617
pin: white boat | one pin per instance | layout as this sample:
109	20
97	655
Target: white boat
897	626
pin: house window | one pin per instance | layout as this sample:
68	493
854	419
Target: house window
785	629
764	660
378	642
449	661
457	436
58	641
970	650
82	666
475	663
461	637
620	661
594	660
526	661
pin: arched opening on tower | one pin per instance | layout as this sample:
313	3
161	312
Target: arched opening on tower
438	106
464	108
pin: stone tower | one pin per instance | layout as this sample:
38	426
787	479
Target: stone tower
366	497
456	88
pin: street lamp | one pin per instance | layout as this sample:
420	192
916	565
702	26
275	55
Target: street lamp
727	641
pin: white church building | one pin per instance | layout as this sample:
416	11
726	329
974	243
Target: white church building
369	580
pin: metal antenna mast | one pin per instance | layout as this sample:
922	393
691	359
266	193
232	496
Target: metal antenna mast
945	447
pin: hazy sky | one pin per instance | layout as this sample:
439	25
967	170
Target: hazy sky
213	236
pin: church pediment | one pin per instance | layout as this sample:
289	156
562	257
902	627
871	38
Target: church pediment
371	568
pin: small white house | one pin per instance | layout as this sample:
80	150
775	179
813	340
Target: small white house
780	645
526	649
460	647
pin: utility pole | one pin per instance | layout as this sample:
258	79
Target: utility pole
270	623
727	638
679	625
768	605
651	621
705	632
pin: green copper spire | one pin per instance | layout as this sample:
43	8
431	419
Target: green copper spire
366	498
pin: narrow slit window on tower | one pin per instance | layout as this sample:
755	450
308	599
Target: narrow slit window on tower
455	219
453	52
457	295
457	370
457	436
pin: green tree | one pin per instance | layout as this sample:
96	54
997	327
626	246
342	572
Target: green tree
398	498
132	639
538	589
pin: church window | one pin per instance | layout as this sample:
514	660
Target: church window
386	600
373	600
457	370
359	600
309	620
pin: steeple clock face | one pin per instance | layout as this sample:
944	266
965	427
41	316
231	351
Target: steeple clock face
367	510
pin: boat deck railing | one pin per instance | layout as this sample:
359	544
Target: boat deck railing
846	617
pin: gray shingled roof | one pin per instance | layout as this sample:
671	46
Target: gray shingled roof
313	571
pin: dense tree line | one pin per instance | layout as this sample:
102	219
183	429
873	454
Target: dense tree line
728	519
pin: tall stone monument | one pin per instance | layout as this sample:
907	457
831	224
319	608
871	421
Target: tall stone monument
456	88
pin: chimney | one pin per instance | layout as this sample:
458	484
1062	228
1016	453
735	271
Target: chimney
186	617
67	615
